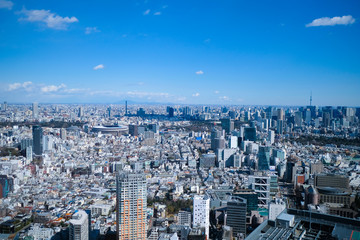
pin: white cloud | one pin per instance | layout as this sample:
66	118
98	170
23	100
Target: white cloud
23	86
147	12
157	13
100	66
14	86
199	72
52	20
75	90
6	4
147	94
224	98
181	99
90	30
216	92
52	88
26	84
196	94
326	21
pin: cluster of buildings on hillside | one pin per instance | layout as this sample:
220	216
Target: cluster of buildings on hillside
157	172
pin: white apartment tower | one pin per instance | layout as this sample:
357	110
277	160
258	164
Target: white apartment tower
201	214
79	226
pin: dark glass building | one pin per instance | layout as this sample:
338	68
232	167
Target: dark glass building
37	140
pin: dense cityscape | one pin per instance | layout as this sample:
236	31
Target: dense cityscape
169	172
179	120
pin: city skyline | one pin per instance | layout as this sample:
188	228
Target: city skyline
232	53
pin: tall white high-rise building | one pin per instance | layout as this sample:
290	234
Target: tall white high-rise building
271	137
233	142
131	206
201	214
35	110
79	226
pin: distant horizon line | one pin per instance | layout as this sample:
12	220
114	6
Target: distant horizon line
172	104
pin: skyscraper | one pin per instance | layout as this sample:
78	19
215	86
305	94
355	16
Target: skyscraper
126	110
280	127
217	139
280	114
4	106
298	119
264	158
35	110
109	112
171	111
227	124
250	134
130	206
201	214
37	140
236	215
81	112
271	137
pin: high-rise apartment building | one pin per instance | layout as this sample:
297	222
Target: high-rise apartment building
201	214
79	226
131	206
35	110
271	137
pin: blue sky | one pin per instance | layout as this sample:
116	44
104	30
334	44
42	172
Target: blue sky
172	51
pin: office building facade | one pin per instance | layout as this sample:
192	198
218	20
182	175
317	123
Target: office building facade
37	132
236	215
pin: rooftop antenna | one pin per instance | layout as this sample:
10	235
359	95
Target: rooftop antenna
310	98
